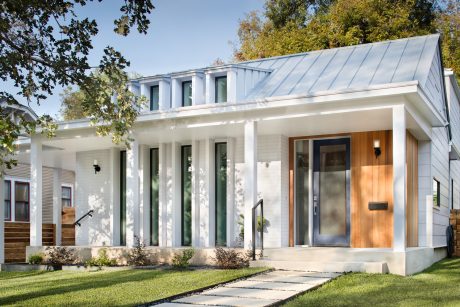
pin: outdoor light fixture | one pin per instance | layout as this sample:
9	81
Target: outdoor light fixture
96	166
377	150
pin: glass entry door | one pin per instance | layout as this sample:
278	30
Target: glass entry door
331	192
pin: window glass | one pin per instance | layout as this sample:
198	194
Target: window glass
154	97
436	194
301	190
186	166
7	192
122	198
155	193
186	93
221	193
66	197
21	197
221	89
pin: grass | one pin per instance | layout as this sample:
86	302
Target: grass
106	288
439	285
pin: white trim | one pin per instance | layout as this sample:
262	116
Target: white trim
13	180
72	193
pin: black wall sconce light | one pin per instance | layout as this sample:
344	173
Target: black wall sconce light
96	166
377	150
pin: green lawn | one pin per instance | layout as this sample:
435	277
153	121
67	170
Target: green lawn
439	285
105	288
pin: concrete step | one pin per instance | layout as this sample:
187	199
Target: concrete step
323	266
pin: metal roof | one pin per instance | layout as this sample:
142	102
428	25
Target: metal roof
353	67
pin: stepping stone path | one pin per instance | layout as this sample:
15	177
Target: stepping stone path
260	290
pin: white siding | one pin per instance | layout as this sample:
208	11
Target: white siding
93	192
434	86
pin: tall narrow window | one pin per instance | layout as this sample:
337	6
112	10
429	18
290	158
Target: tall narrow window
436	194
221	193
186	93
123	198
66	196
186	170
154	97
7	187
301	190
221	89
452	194
21	201
154	195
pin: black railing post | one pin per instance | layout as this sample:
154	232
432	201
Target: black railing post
89	213
254	233
262	228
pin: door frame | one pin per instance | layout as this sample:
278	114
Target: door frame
317	238
291	194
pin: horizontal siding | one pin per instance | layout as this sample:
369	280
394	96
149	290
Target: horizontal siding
434	86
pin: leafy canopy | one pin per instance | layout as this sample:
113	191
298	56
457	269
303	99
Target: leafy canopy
293	26
44	44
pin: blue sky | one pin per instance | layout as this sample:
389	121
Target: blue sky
183	34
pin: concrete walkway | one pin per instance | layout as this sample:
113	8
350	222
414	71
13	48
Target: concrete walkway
260	290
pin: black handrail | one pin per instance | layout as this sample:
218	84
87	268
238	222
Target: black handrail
89	213
254	221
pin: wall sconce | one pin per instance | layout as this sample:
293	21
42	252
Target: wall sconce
377	150
96	166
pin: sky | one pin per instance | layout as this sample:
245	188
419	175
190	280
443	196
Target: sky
183	34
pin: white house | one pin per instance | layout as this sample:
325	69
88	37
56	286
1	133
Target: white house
353	150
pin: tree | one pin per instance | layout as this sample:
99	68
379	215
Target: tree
281	29
44	44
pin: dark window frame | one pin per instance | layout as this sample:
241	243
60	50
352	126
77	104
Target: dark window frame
216	163
184	83
183	243
62	195
151	98
438	193
28	200
10	200
216	91
154	241
122	209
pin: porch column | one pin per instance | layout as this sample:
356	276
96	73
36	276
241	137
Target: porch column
399	178
163	205
36	180
57	204
144	178
2	221
250	178
114	210
210	214
132	193
231	192
176	195
195	194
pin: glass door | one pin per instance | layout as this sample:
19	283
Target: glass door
331	192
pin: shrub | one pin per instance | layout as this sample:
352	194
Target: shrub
35	259
102	259
59	255
182	259
231	258
138	255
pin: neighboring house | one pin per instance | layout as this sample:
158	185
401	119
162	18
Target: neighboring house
353	150
17	195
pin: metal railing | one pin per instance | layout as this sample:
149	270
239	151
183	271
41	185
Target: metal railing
254	223
89	213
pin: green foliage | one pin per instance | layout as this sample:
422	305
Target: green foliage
181	260
138	255
229	258
59	255
260	225
293	26
35	259
102	259
45	44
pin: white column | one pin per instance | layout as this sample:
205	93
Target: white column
210	186
176	195
399	178
250	178
114	209
132	193
36	179
176	93
162	206
197	89
195	194
144	197
231	235
164	94
2	221
210	89
57	204
231	86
